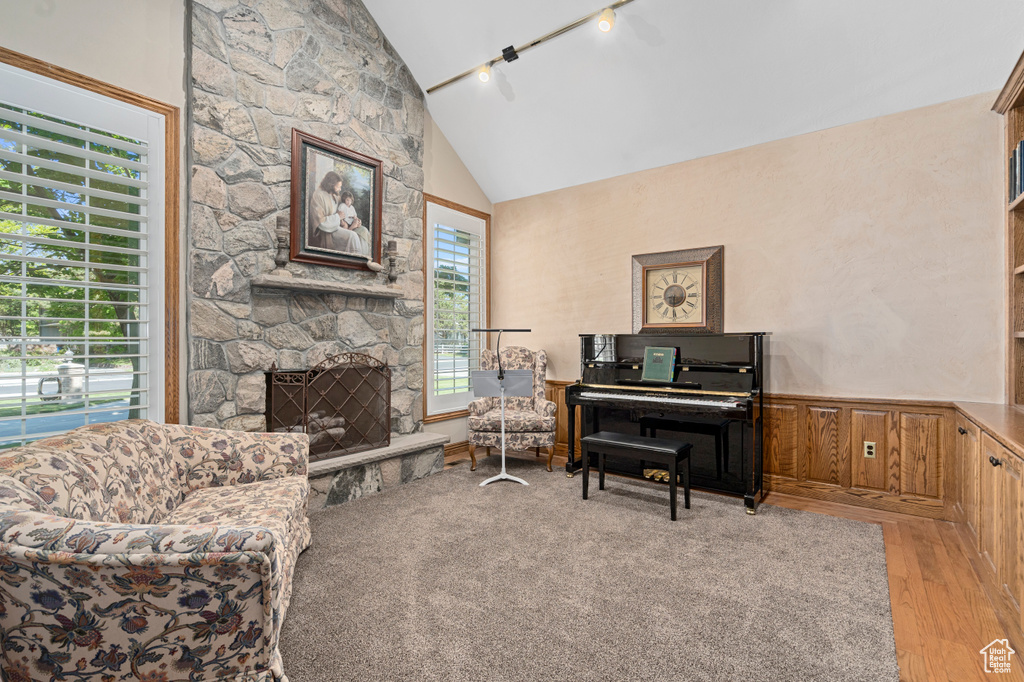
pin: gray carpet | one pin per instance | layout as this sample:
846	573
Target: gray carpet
443	580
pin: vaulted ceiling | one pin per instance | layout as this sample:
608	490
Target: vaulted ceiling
680	79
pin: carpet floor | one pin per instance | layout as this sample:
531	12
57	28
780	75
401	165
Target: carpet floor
443	580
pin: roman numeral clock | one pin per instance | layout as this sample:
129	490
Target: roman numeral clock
678	290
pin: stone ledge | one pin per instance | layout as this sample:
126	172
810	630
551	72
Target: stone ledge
401	445
322	287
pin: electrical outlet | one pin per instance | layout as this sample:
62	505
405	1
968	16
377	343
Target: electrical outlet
869	450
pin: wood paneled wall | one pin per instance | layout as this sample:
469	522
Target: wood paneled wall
814	447
555	391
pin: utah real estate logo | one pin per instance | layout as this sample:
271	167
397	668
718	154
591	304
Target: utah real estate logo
997	656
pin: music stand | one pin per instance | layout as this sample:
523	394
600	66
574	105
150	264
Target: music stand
514	383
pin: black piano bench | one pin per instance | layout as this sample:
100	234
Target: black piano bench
669	453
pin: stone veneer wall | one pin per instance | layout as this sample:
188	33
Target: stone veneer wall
260	68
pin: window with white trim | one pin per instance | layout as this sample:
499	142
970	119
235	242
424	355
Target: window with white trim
81	259
456	302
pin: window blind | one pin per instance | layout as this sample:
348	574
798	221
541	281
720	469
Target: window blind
74	275
457	307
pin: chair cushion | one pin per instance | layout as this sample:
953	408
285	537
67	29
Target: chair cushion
66	485
132	462
278	504
515	420
520	440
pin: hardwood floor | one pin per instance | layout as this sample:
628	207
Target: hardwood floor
942	615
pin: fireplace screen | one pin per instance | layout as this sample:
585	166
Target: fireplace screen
344	404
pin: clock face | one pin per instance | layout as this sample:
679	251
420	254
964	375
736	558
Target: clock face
675	294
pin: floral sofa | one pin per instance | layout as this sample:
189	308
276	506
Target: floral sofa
529	421
140	551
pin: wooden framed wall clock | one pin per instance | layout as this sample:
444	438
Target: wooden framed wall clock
678	290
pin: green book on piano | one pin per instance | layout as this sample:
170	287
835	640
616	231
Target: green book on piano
659	364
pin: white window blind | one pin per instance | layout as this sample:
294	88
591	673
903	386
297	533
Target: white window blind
79	298
457	297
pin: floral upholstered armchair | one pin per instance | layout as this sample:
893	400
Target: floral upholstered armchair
141	551
529	421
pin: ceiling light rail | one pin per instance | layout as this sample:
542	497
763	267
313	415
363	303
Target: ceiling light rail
606	19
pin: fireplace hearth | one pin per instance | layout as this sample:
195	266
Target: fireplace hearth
342	403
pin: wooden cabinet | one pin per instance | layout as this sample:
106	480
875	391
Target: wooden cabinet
999	516
1008	516
988	502
965	487
990	532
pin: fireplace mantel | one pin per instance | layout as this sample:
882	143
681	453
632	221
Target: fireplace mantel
270	281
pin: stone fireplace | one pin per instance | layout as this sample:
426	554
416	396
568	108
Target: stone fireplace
323	67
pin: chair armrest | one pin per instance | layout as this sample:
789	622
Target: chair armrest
546	408
137	549
94	616
45	532
480	406
217	457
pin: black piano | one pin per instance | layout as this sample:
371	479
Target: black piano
714	401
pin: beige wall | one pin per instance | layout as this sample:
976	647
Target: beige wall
444	174
135	45
872	252
446	177
138	46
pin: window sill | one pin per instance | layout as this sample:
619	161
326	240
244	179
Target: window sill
445	416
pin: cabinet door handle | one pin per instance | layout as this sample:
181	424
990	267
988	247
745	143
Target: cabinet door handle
962	430
995	462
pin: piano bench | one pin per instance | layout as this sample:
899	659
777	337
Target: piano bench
719	428
669	453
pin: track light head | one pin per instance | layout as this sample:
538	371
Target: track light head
484	74
606	20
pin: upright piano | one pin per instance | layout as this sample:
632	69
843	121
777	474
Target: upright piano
715	401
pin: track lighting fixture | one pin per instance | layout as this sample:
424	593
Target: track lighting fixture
605	22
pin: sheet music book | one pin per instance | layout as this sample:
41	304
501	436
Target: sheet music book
659	363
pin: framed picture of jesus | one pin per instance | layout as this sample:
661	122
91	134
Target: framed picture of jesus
336	204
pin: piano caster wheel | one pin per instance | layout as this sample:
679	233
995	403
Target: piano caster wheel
751	511
569	475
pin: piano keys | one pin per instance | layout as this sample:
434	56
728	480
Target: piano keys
718	379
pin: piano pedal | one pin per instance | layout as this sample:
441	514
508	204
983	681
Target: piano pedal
656	475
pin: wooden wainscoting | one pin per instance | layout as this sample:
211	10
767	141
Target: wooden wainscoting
455	450
814	447
555	391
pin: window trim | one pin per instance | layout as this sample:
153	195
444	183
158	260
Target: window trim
486	217
172	201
